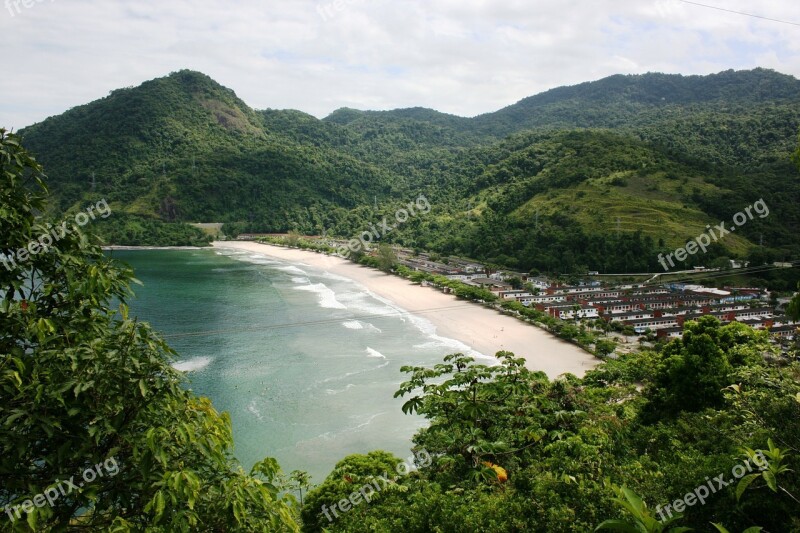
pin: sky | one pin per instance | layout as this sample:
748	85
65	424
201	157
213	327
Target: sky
464	57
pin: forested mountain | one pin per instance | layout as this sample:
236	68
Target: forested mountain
596	200
731	117
182	149
602	175
623	100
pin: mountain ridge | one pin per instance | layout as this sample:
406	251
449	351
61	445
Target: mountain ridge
184	148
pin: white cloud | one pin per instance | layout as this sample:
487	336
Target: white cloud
459	56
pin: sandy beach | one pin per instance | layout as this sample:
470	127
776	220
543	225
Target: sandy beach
484	330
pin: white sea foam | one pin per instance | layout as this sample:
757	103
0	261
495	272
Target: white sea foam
301	281
369	304
331	435
357	324
192	365
339	391
327	298
233	254
452	345
252	408
349	374
259	257
428	345
246	256
292	269
374	353
336	277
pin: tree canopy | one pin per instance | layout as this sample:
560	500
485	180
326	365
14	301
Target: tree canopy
82	384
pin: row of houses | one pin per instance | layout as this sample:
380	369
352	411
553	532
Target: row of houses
662	309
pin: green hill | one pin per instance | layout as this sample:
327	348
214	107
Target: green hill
602	175
597	200
185	149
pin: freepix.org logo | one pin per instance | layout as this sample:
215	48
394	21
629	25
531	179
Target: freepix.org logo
47	240
15	6
63	488
375	233
714	234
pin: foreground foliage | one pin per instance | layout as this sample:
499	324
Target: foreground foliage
83	384
584	452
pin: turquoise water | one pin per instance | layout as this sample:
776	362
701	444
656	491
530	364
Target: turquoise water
305	362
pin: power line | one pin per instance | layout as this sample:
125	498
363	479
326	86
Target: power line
721	274
740	13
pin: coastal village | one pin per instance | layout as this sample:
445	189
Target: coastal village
647	310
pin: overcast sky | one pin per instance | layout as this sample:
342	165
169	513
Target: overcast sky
458	56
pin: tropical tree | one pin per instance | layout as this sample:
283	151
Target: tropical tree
693	373
480	415
793	309
83	384
387	259
604	347
365	476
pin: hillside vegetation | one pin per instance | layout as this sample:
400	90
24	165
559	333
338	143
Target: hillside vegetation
601	176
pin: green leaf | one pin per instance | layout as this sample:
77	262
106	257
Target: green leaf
33	518
160	505
744	483
617	525
769	477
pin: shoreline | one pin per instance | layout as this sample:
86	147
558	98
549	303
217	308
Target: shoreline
114	247
482	329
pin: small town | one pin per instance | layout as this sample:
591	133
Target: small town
651	311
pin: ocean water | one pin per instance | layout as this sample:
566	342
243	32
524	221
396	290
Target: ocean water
305	362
